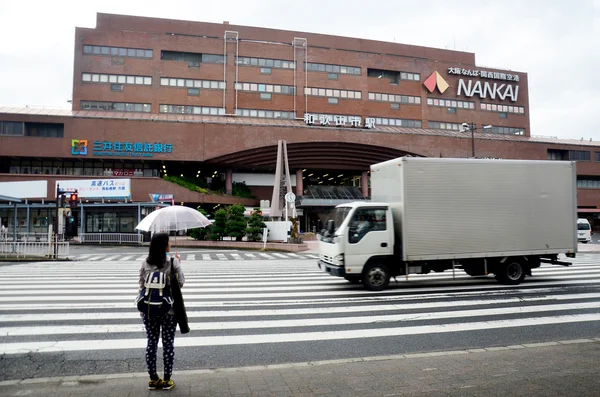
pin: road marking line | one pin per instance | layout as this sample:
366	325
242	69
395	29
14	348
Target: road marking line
219	340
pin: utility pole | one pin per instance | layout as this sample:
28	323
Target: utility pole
58	197
473	128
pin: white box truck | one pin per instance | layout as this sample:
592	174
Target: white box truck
501	217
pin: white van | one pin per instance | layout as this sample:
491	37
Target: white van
584	231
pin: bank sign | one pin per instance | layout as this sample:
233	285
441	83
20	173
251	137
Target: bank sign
491	85
79	147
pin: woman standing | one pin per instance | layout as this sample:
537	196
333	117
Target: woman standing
158	260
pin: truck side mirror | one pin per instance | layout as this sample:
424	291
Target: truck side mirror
331	227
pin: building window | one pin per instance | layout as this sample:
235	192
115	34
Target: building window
270	88
440	125
404	99
189	83
588	183
266	70
191	57
493	107
382	121
195	110
11	128
451	103
269	114
332	76
503	115
334	93
506	130
46	130
116	106
557	154
115	78
263	62
394	106
597	156
410	76
332	101
193	91
265	96
117	51
451	110
579	155
116	87
328	68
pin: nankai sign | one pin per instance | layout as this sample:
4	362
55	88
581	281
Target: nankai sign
486	89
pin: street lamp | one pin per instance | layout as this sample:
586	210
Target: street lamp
473	128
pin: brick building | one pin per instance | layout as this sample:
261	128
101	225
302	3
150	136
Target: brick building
155	97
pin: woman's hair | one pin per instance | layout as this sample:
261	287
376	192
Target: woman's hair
158	250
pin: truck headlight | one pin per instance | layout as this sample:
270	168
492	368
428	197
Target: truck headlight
340	259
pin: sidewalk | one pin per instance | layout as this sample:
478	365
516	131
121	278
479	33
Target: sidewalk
567	368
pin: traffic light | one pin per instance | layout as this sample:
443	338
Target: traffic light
73	200
63	201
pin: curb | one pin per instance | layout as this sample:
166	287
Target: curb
87	379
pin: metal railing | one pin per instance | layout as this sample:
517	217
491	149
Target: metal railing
111	238
29	237
19	249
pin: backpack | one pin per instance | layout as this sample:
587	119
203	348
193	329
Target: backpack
155	298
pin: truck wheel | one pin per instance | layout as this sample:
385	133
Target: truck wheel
511	272
376	277
353	279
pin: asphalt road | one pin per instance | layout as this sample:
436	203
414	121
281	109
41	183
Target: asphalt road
76	318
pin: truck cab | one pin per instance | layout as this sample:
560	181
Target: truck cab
359	235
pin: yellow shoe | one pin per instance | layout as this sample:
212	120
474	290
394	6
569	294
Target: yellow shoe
167	384
155	384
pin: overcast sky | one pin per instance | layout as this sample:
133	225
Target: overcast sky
557	42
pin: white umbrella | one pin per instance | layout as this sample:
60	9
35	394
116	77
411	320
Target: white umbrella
173	218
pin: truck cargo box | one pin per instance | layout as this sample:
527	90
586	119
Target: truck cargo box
464	208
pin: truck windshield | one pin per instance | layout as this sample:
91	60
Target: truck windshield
340	214
580	226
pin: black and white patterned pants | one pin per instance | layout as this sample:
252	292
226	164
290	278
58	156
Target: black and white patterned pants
153	325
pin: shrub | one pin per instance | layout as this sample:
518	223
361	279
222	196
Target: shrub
236	223
255	225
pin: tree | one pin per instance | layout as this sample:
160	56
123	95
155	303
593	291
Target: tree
255	225
236	224
201	232
217	230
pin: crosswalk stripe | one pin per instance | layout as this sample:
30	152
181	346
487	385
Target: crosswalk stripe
111	258
251	256
206	257
126	258
313	256
191	257
141	258
314	322
280	255
325	292
116	344
94	258
222	257
237	257
42	317
266	255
